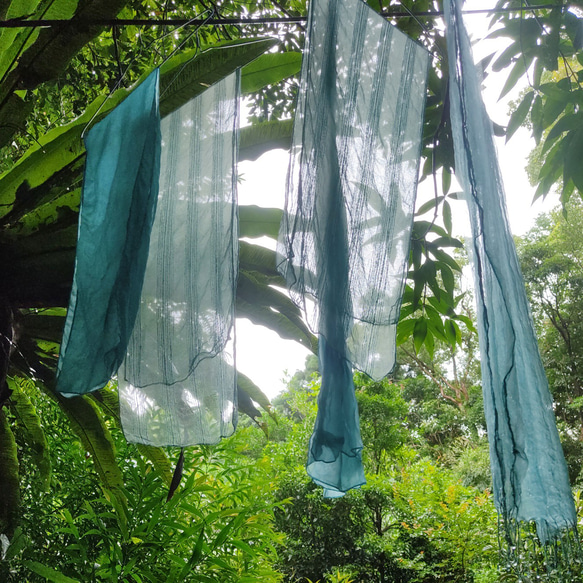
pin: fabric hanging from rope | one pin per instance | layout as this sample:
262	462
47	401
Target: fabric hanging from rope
344	239
178	382
118	204
528	468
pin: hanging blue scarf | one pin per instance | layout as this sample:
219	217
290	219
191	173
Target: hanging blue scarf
344	240
120	191
528	468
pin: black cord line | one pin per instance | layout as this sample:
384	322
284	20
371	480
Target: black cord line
77	22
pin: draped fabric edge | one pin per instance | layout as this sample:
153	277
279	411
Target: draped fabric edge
557	540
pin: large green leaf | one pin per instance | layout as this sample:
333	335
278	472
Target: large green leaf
9	479
29	424
256	221
184	77
245	384
259	138
266	306
260	259
61	149
269	69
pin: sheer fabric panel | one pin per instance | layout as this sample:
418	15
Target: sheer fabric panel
120	191
178	382
344	240
528	468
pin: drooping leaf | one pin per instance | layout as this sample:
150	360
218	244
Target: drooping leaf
9	479
29	423
246	385
255	221
520	67
260	259
89	426
176	476
447	221
259	138
419	333
266	306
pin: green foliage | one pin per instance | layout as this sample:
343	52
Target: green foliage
217	527
550	259
546	49
413	524
415	520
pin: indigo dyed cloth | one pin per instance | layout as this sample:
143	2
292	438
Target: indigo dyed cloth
344	240
120	190
178	382
528	468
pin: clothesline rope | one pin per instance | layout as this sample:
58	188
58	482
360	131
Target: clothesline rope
23	23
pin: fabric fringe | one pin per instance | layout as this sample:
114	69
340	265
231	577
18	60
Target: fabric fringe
524	558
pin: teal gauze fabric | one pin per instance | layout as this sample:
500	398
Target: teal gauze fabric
528	468
120	190
178	383
344	238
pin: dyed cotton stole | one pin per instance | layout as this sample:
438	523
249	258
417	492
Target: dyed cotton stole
178	382
118	204
344	240
528	468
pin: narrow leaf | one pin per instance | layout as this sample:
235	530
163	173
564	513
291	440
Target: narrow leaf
419	333
177	476
48	573
519	115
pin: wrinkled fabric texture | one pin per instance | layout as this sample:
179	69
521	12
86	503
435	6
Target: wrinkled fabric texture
178	382
344	240
528	468
118	204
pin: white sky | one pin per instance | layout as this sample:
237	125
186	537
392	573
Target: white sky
262	354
